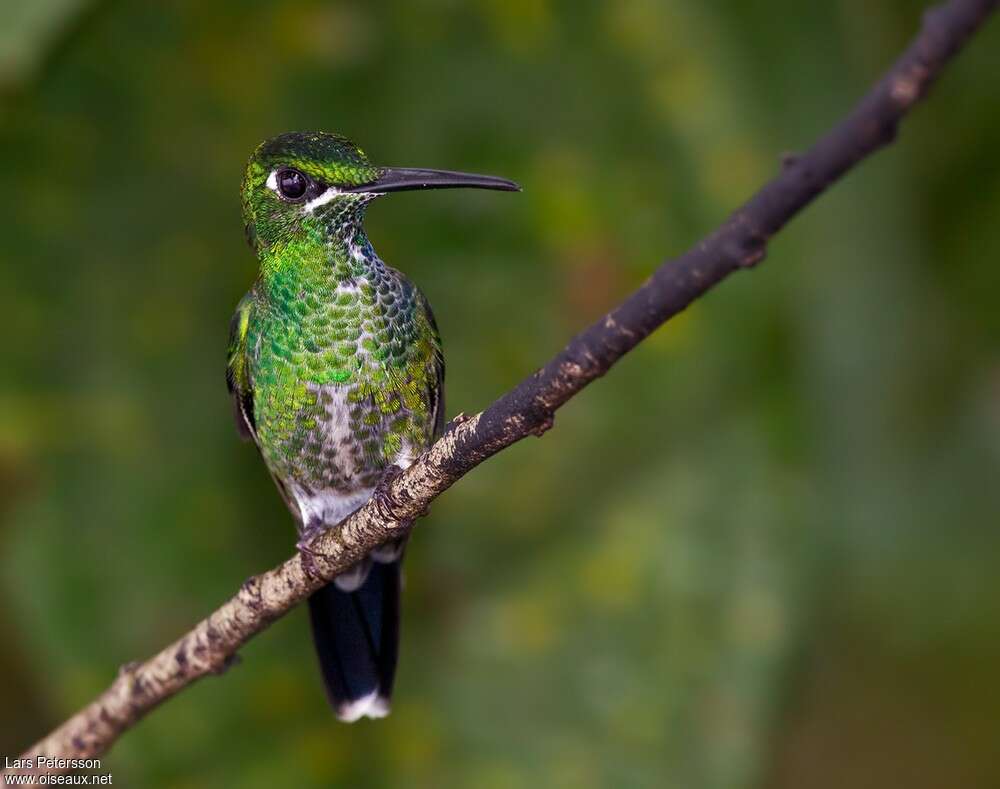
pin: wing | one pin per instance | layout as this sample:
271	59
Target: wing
238	371
241	389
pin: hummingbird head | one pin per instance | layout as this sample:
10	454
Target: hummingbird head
319	183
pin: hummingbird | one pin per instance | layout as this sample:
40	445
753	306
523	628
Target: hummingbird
336	373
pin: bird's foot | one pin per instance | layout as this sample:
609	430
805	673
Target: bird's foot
309	556
302	546
389	473
308	559
309	533
383	488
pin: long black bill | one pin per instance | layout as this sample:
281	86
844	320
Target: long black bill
401	179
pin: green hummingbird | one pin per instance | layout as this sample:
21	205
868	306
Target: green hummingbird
336	373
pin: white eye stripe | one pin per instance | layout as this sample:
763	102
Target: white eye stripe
272	181
324	198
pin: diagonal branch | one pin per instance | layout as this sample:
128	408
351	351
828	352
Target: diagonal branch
528	409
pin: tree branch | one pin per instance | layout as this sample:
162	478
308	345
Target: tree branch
528	409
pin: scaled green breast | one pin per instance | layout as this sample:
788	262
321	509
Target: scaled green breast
344	374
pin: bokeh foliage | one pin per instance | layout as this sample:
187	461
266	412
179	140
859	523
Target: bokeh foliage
761	552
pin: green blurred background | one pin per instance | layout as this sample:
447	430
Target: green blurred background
762	552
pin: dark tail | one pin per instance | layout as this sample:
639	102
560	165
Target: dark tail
357	639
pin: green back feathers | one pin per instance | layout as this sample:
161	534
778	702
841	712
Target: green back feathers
237	369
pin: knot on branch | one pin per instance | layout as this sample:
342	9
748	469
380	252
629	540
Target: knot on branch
545	425
789	159
127	671
745	252
907	87
745	245
459	419
220	667
130	676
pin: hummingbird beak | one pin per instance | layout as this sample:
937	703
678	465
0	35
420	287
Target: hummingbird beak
401	179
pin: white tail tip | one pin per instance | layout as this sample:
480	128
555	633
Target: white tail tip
371	706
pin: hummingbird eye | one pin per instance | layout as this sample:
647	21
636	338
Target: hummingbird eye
292	184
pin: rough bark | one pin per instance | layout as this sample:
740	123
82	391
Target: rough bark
528	409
